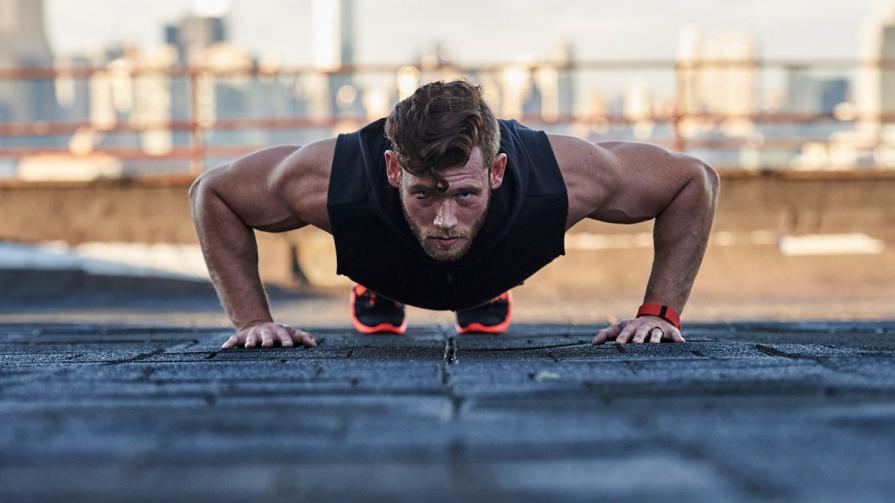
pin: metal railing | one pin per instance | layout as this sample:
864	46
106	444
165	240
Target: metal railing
193	151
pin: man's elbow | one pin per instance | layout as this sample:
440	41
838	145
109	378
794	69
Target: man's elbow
201	187
195	189
707	176
713	180
198	194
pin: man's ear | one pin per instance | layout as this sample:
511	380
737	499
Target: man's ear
497	171
392	168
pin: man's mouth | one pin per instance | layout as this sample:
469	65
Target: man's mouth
445	242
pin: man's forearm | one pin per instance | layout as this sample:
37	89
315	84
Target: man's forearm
680	237
231	254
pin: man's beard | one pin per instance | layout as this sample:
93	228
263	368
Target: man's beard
425	239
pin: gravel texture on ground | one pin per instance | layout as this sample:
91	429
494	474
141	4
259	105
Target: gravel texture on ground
798	411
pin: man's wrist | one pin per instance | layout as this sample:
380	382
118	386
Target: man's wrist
249	324
663	311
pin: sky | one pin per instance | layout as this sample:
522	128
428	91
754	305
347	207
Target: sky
392	31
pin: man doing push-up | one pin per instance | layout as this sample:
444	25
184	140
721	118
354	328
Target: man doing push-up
442	206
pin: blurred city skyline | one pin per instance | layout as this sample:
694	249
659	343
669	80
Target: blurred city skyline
498	30
717	87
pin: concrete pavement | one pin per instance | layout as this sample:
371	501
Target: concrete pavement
799	411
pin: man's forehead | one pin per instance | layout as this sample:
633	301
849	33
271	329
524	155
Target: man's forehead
475	161
465	175
471	170
475	158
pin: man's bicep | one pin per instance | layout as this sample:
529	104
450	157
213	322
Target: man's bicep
598	181
642	181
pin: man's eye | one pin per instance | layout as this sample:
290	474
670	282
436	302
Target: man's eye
421	195
465	195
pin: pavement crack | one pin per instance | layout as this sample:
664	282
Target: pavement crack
773	352
444	374
450	349
450	358
139	357
147	373
350	352
456	403
527	348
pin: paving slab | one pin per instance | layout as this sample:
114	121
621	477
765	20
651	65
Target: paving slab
743	411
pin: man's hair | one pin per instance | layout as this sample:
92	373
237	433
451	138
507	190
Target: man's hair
439	126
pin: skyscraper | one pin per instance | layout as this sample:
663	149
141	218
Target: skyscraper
333	33
192	37
874	137
717	74
876	93
810	94
23	43
554	92
193	34
333	49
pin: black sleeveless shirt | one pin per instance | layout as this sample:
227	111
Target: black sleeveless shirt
522	232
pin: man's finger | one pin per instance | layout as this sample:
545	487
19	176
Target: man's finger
606	334
626	334
302	337
266	338
677	337
229	343
310	340
641	334
283	336
656	334
251	338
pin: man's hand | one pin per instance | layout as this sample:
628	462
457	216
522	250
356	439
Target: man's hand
268	335
638	330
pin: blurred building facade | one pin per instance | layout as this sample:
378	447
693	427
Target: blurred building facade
23	43
334	94
718	74
146	101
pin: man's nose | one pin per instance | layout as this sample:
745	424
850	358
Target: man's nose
446	218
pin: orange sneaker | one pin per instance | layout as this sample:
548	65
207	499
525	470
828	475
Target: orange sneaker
490	318
372	313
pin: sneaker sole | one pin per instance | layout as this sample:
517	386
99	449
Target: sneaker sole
478	328
382	328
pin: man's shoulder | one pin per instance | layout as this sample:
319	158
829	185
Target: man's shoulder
310	161
588	170
575	154
302	179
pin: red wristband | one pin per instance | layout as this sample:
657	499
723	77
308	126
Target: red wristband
665	312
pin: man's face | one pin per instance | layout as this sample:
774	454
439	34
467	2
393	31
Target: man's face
445	223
